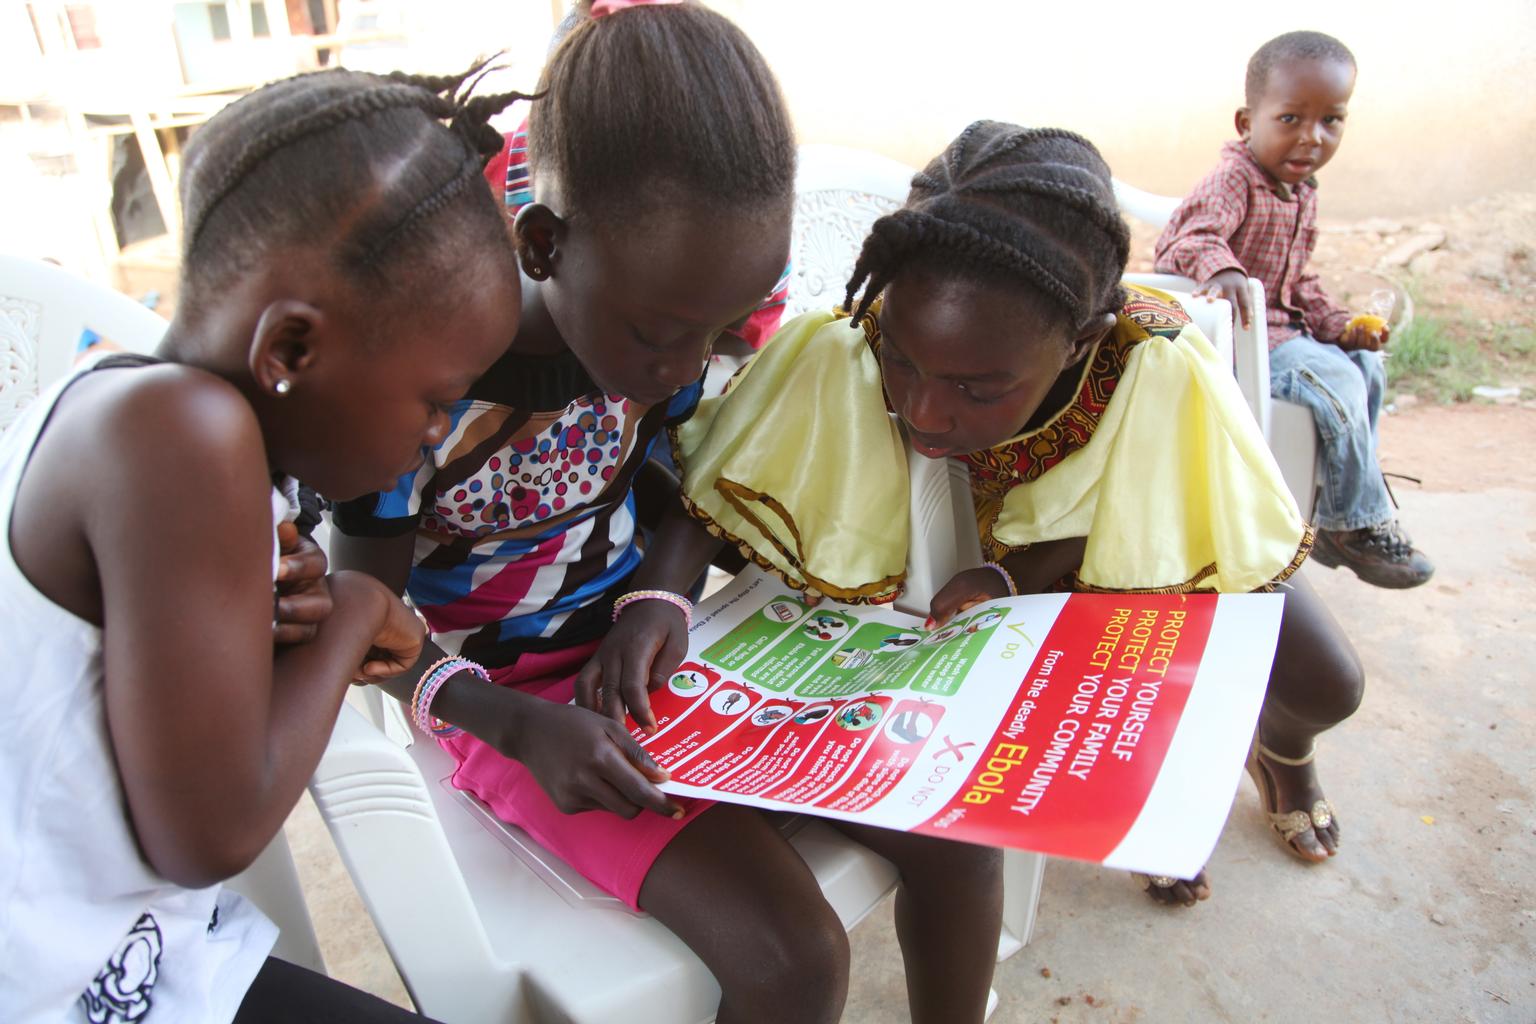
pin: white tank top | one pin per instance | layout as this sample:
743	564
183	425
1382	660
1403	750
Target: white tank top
88	931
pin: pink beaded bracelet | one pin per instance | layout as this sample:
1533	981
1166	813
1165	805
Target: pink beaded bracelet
1013	591
678	601
432	680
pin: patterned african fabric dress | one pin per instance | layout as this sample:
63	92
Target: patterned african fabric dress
1156	460
524	516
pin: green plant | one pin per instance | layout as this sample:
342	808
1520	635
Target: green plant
1515	342
1423	346
1429	357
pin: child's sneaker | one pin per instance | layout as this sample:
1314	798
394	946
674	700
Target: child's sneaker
1382	555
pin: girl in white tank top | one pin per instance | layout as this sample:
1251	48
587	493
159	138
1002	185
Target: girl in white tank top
345	276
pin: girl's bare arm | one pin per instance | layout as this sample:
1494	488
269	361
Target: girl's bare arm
214	737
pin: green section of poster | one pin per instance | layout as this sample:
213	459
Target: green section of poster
754	634
959	645
792	657
871	659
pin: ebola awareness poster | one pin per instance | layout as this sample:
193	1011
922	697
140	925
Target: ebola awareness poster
1106	728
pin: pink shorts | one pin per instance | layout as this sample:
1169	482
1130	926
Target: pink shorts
613	853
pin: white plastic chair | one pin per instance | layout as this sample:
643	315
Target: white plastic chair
48	309
485	924
1288	427
944	540
839	193
44	312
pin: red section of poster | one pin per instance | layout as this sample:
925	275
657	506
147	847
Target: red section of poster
737	746
713	714
785	747
676	696
1090	726
852	730
901	738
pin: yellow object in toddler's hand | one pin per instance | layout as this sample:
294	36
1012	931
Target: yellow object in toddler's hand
1370	323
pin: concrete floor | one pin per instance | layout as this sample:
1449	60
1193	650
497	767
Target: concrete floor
1428	914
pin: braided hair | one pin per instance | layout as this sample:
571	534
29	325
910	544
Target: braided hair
1019	206
1292	46
358	162
657	104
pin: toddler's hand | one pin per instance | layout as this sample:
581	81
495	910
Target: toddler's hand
303	598
1231	285
1360	336
641	650
966	590
586	761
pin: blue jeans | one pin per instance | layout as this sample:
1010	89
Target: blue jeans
1344	391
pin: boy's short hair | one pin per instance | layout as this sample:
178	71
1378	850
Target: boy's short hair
1292	46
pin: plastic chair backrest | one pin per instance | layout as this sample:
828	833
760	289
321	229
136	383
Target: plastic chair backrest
839	193
48	310
1291	434
1212	316
1147	206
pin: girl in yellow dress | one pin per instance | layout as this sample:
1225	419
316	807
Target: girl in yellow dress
1108	446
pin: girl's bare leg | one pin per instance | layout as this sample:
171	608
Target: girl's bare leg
738	894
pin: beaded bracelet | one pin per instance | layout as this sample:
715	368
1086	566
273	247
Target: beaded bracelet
432	680
1013	591
678	601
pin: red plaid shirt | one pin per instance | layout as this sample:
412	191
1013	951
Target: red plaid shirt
1239	218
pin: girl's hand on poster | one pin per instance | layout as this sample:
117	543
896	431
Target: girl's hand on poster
586	761
643	649
966	590
303	598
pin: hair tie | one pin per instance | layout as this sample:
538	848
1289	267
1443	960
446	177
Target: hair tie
602	8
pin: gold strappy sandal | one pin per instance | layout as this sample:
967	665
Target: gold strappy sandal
1288	824
1150	882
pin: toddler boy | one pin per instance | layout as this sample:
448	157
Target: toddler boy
1256	215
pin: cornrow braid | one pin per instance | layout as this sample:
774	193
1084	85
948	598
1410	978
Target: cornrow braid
907	231
313	122
349	161
1027	206
1085	201
370	254
469	115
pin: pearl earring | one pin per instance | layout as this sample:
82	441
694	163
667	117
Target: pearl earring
283	386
